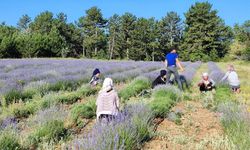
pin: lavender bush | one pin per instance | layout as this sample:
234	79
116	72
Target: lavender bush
127	131
215	72
45	115
190	71
235	119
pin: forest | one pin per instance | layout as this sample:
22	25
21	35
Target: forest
202	35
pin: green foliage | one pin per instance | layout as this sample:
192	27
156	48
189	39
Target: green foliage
28	93
24	110
223	94
9	141
93	28
206	37
170	28
23	22
38	102
235	121
164	98
80	111
247	53
16	95
134	88
52	131
238	132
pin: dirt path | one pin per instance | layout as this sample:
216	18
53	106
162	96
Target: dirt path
199	127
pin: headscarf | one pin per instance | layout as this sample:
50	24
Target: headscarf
95	72
205	74
163	73
107	85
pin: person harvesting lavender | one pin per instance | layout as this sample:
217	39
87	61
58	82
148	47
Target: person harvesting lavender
172	61
206	84
161	79
95	79
107	102
232	78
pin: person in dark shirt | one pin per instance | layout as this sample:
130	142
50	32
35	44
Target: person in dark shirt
95	77
172	61
161	79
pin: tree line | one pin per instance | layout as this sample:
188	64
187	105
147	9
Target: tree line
203	35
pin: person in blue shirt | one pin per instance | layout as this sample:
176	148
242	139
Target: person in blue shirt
172	61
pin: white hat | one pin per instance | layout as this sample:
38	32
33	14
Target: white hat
205	74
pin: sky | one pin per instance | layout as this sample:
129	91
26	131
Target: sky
232	11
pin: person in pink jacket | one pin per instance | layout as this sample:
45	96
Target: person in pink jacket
107	102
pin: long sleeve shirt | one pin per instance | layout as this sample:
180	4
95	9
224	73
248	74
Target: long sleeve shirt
107	103
232	78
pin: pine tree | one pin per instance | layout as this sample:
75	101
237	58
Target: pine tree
206	37
114	44
170	31
23	22
128	21
93	25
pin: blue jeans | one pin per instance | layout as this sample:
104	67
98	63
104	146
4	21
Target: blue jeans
173	70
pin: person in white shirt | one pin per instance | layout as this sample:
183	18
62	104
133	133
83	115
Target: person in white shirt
233	79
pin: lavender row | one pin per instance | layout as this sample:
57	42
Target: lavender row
16	73
126	131
190	70
215	72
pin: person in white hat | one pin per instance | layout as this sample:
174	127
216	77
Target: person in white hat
107	102
206	84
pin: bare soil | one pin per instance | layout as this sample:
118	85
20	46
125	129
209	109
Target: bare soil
198	124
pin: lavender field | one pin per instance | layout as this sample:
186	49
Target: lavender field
48	104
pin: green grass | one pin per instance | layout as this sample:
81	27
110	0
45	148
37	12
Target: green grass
52	131
80	111
164	98
27	94
9	140
23	110
134	88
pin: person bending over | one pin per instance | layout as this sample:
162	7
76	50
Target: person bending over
95	79
206	84
232	78
161	79
107	102
172	61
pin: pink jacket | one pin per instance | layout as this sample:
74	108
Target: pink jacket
107	103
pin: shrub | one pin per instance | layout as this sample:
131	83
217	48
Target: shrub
45	115
235	120
16	95
164	97
81	111
72	97
63	85
51	131
127	131
134	88
246	54
24	110
86	90
9	141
